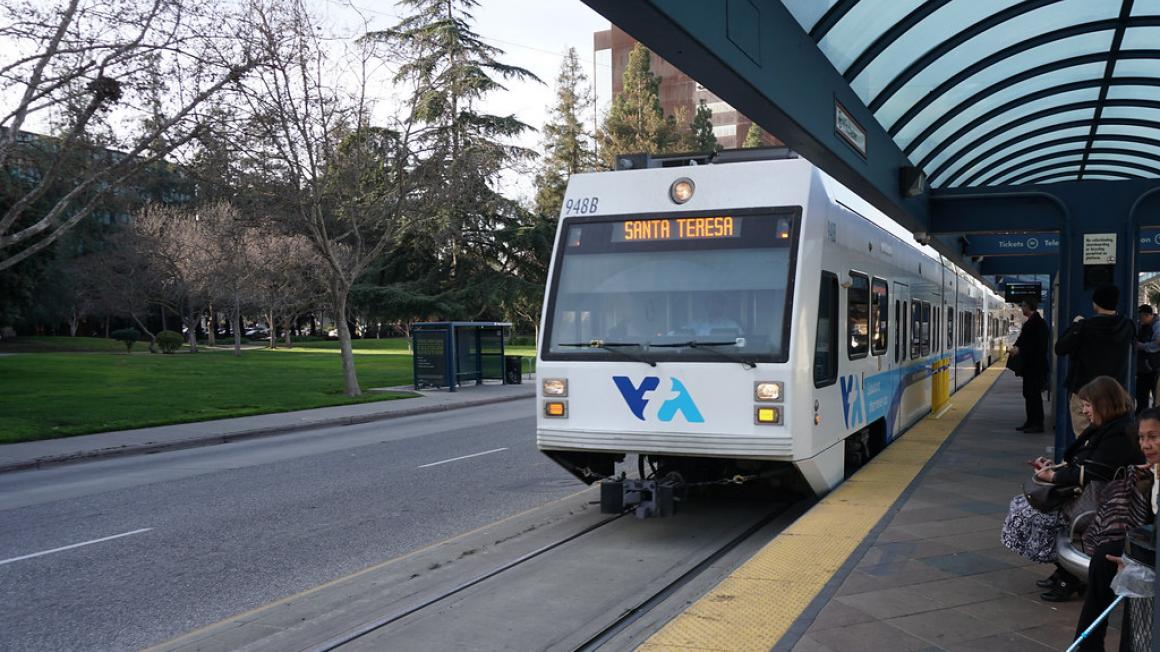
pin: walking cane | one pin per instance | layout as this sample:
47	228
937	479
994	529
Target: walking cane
1092	626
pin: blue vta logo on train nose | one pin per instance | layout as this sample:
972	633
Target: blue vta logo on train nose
634	396
851	400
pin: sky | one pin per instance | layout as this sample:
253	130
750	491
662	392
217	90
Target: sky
534	34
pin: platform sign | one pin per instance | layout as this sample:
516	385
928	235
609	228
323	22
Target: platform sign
848	128
1099	249
1019	292
1149	240
1012	244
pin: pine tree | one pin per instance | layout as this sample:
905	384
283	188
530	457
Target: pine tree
636	122
753	137
567	142
451	70
702	137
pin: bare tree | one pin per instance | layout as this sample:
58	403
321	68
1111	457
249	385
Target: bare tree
124	81
231	268
120	279
334	177
285	280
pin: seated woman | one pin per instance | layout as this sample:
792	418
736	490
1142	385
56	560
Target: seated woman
1126	502
1100	449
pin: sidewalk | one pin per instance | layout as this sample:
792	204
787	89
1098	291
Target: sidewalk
35	454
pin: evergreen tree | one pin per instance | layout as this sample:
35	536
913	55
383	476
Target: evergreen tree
636	122
753	137
567	142
701	133
450	70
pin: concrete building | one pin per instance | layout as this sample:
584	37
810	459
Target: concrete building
611	48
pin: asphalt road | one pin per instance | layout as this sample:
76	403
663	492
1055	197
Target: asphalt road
206	533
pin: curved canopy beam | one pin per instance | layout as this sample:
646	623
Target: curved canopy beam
832	17
1129	122
1034	170
974	179
1074	176
1018	179
920	64
887	38
1000	130
1101	151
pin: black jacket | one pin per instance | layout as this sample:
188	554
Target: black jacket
1098	452
1032	345
1097	346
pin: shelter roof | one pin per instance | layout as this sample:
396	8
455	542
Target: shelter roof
998	92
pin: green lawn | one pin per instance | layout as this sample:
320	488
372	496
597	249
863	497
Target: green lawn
49	344
48	395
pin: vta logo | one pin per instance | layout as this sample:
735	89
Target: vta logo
851	401
682	402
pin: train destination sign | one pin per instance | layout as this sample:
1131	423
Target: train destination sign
677	228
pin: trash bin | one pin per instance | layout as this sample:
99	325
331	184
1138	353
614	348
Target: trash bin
1140	546
513	369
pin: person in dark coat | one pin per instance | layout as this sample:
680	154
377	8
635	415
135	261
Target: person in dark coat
1031	347
1097	346
1147	357
1104	446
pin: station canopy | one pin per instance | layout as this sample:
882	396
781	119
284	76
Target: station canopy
995	92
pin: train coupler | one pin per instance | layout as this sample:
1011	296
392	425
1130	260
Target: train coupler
647	498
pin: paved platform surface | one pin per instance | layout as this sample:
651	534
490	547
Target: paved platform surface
906	555
28	455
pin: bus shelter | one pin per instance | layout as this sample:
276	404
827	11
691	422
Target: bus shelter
449	353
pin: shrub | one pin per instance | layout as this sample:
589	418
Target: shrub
521	340
169	341
127	336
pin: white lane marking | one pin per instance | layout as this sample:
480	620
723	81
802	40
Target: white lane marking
456	459
75	545
943	411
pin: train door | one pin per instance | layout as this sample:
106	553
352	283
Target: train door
912	399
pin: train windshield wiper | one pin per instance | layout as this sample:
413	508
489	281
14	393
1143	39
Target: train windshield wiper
615	347
708	346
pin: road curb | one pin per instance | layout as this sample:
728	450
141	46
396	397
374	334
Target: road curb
242	435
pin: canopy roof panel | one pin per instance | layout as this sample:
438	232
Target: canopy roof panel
1001	92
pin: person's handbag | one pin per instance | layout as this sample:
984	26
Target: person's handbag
1047	497
1015	364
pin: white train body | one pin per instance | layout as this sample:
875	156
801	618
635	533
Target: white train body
770	263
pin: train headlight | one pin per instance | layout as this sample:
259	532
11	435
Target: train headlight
767	415
767	391
555	387
557	409
681	191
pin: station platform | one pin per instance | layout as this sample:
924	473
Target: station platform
906	555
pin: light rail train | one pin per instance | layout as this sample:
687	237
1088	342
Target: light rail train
745	317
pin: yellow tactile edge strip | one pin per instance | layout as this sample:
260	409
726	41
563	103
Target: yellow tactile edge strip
756	605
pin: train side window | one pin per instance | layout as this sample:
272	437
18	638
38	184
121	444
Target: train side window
925	334
826	345
879	316
858	314
935	340
915	328
950	327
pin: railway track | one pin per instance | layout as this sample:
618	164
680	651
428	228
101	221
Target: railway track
471	600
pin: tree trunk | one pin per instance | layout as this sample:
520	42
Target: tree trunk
211	330
74	322
145	329
191	319
344	343
237	323
273	328
107	327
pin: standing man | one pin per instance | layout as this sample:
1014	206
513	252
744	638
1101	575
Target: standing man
1098	346
1147	357
1031	347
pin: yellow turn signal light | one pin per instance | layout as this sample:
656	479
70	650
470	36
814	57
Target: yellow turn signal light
555	409
767	415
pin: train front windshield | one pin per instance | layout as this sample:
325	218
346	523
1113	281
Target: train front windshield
687	288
